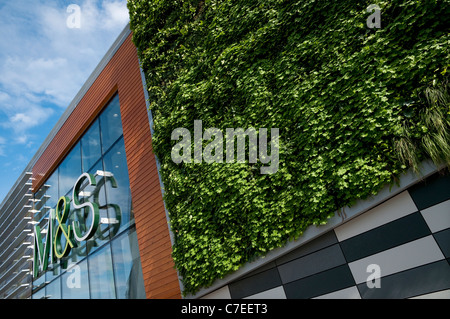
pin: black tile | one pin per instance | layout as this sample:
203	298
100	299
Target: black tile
319	284
260	269
311	264
397	232
443	240
251	285
414	282
432	191
323	241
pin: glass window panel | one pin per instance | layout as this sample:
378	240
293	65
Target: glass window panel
53	271
101	278
75	282
119	197
127	267
53	289
111	124
70	170
39	282
91	150
40	294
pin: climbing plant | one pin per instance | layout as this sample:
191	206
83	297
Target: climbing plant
355	107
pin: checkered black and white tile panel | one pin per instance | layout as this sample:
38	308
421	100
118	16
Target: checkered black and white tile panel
398	249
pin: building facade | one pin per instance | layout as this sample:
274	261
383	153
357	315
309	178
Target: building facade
399	248
86	219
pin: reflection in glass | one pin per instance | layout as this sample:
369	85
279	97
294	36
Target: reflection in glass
40	294
39	282
90	146
127	267
116	163
70	170
75	283
53	289
101	278
111	124
53	271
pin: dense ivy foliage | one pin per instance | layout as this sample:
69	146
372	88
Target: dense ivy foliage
351	104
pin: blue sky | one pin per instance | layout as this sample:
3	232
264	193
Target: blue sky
43	64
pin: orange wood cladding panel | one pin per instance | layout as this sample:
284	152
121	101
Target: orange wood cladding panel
122	75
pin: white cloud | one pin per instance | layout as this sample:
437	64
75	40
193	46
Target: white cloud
2	145
39	78
4	96
21	114
116	14
33	117
43	63
61	60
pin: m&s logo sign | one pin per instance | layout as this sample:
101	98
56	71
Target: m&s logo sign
55	247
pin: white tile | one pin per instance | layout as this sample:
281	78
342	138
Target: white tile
274	293
444	294
413	254
394	208
221	293
347	293
438	216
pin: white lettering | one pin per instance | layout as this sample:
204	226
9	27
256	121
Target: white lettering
74	20
374	20
74	280
198	309
213	152
373	281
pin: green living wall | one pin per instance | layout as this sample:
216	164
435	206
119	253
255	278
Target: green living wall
355	107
